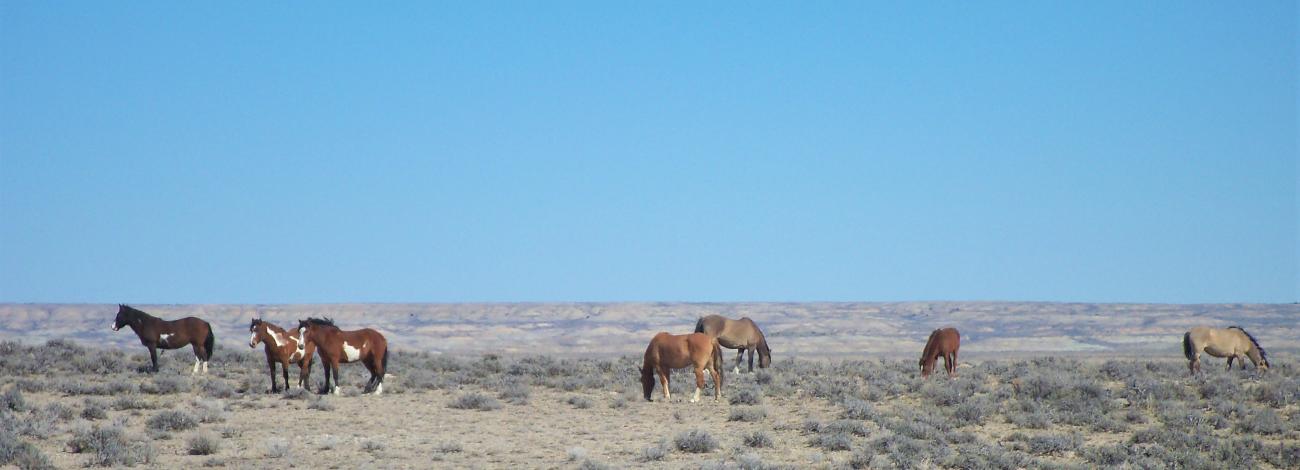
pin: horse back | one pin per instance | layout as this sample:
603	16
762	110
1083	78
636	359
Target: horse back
181	332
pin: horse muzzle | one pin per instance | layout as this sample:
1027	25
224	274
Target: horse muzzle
113	326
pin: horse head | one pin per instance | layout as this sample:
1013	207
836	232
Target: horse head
647	381
253	328
764	354
124	317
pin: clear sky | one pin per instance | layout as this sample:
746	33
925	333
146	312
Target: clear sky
268	152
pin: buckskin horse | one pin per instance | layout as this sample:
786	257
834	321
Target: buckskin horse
157	333
944	343
741	335
338	346
281	348
667	352
1232	342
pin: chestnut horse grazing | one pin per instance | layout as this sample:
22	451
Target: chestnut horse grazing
157	333
1232	342
667	352
943	343
281	348
335	346
741	335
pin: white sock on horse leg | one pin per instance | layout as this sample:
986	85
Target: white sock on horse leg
379	389
696	398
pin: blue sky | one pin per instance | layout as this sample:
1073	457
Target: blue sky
610	151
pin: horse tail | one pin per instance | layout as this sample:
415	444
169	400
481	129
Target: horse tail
209	343
699	325
1262	354
1187	346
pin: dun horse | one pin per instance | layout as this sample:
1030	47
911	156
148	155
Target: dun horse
741	335
335	346
943	343
1232	342
667	352
157	333
281	348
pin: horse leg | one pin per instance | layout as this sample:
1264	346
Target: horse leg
270	363
751	358
717	383
153	358
663	380
335	365
950	363
699	383
740	356
325	388
284	367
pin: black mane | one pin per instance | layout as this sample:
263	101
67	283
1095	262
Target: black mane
132	312
321	322
1262	354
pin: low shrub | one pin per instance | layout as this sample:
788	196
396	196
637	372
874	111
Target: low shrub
203	444
475	401
695	441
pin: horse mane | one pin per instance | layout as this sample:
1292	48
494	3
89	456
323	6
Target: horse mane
1262	354
134	312
321	322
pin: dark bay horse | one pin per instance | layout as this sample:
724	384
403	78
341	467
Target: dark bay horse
281	348
338	346
1232	342
943	343
667	352
157	333
741	335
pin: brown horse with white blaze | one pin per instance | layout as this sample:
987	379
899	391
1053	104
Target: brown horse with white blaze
281	348
667	352
338	346
1232	342
156	333
944	343
741	335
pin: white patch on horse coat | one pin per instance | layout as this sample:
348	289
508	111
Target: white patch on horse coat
113	326
352	353
196	366
162	339
276	336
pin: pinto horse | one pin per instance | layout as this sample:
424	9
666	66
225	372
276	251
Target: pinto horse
1232	342
335	346
943	343
157	333
667	352
741	335
281	348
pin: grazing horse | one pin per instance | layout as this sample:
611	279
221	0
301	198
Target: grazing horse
157	333
1232	342
667	352
335	346
943	343
741	335
281	348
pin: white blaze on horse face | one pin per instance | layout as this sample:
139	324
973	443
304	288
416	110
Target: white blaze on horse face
352	353
302	339
252	340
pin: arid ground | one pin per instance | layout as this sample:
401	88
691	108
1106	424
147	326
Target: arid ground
72	401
